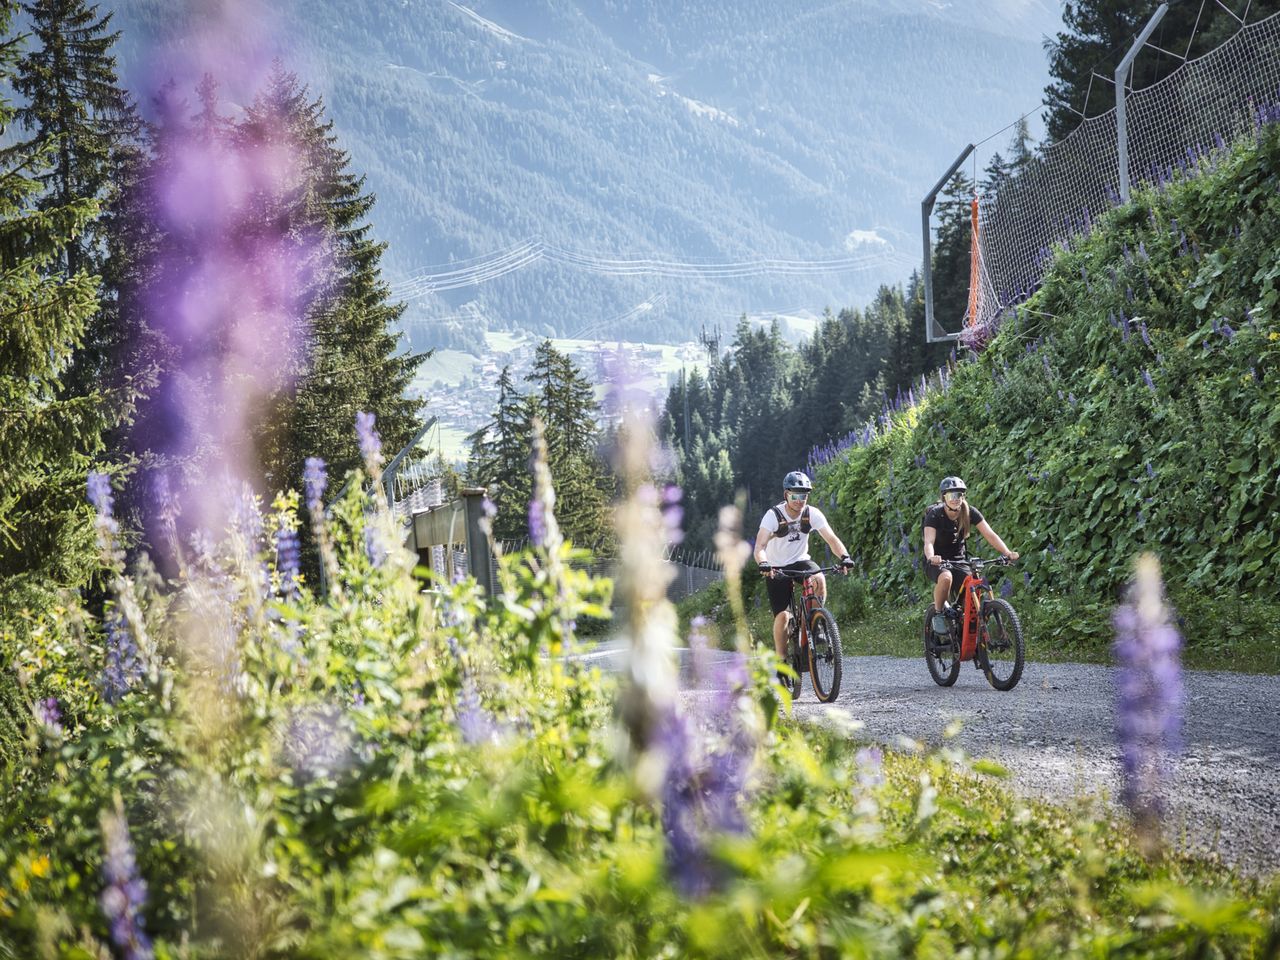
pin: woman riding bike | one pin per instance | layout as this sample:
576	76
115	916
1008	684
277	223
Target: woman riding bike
783	543
947	525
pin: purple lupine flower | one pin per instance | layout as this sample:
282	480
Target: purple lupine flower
1142	250
1148	691
1026	578
288	556
49	716
1146	378
537	523
100	495
314	480
1151	471
1146	337
1006	588
1071	399
375	548
1218	141
672	513
474	722
123	665
125	894
870	763
1225	329
370	442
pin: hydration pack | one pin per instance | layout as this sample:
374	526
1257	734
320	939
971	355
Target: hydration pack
801	526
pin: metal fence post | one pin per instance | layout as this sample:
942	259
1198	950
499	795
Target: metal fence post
926	210
477	543
1122	83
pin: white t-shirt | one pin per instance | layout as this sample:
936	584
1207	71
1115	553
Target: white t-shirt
789	546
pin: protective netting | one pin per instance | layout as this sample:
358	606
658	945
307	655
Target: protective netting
1173	126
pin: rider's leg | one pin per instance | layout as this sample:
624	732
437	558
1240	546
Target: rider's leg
780	633
941	590
820	587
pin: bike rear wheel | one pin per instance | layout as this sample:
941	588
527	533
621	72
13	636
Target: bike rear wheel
1000	644
941	653
826	661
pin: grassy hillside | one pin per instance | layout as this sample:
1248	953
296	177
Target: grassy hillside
1132	404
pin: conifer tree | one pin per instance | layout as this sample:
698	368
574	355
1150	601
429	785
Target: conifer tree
48	439
500	459
74	100
353	359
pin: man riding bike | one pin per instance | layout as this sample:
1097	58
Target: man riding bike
946	528
783	544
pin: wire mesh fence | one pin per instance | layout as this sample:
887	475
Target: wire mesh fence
1173	127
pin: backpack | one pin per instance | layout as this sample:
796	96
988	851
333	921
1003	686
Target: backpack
784	523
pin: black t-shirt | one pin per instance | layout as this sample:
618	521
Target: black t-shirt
946	542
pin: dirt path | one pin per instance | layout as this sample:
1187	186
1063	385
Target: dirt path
1055	733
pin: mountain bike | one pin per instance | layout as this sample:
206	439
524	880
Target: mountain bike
985	630
813	639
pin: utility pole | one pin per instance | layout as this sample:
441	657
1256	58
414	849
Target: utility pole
1123	73
684	390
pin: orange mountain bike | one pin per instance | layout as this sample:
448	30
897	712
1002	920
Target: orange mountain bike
985	630
813	640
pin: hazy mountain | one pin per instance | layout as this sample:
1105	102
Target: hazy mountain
604	130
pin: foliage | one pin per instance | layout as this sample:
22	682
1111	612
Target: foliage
48	435
390	773
1098	33
764	405
1164	316
564	401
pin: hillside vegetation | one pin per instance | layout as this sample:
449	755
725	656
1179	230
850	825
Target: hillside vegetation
1130	404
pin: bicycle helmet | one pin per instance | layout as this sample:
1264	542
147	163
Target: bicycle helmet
951	483
795	480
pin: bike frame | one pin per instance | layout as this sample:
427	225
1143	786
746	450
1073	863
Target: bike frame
803	610
973	588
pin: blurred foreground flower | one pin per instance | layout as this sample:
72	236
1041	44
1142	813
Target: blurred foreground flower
125	893
1149	696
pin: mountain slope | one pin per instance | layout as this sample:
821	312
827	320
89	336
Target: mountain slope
713	132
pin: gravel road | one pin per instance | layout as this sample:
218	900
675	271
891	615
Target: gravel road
1055	733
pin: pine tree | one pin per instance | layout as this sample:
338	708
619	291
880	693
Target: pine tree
74	100
48	440
951	252
1097	35
353	359
500	459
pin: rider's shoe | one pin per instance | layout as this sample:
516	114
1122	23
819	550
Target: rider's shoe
940	624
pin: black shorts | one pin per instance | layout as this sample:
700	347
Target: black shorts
780	589
932	572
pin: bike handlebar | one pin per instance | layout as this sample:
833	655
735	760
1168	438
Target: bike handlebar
977	563
800	574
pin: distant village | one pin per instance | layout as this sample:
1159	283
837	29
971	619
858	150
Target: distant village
649	371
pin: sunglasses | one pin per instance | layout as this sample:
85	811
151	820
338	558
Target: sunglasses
797	496
954	496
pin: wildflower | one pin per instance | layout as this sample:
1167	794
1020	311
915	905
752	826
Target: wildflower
1071	399
1225	329
314	480
370	443
1006	588
288	554
49	717
1146	337
125	894
1151	471
123	665
672	513
1148	694
1146	378
474	722
870	761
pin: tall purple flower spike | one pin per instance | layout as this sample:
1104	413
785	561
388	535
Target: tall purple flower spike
125	894
1149	694
370	442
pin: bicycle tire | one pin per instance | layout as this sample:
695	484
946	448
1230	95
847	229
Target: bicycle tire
796	683
944	666
999	613
826	658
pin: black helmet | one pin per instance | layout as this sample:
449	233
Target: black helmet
795	480
951	483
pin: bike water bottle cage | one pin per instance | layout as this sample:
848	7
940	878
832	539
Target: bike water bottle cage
791	526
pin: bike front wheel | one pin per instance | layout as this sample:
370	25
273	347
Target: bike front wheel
941	653
1000	644
826	660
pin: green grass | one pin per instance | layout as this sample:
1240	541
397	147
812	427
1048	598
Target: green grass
1235	633
449	366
